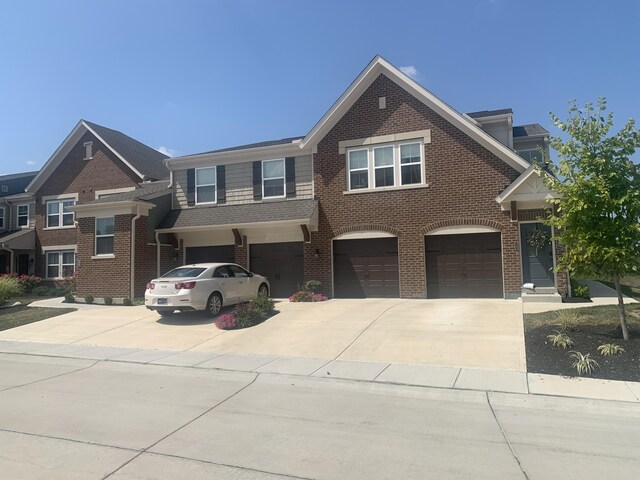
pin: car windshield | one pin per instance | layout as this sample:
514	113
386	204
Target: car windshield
184	272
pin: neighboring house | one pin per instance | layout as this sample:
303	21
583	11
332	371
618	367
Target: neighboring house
16	224
391	194
78	230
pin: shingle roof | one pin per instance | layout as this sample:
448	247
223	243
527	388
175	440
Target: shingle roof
148	161
489	113
240	214
268	143
137	194
15	183
528	130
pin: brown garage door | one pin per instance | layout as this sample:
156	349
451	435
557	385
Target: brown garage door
281	263
464	266
221	253
366	268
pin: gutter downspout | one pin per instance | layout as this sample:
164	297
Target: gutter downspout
133	251
157	254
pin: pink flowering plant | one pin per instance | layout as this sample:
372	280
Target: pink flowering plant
27	282
309	293
226	322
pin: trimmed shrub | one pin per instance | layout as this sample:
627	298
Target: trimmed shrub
69	298
226	322
245	315
581	291
263	305
306	296
89	299
9	287
108	301
127	302
41	291
27	282
312	286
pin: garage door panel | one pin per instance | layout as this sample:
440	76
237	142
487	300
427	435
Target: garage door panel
282	263
210	254
464	266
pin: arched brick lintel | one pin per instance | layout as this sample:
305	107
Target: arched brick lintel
458	222
366	227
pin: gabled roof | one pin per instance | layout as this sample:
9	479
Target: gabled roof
528	187
529	130
268	143
143	161
380	66
145	192
490	113
15	183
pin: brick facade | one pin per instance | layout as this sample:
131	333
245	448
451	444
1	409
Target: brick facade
463	180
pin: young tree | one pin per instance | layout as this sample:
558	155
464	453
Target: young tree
597	216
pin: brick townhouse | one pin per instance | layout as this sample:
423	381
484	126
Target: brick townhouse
391	194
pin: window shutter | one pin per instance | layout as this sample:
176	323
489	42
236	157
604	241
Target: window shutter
221	187
290	172
191	187
257	180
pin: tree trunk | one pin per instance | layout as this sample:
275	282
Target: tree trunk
621	312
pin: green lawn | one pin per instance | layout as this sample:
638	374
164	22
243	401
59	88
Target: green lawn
601	316
22	315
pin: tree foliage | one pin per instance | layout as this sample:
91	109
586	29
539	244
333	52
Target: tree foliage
597	217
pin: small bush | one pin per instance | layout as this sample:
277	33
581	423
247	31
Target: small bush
69	298
306	296
9	287
583	363
127	302
226	322
567	320
27	282
560	340
246	315
89	299
58	292
609	349
312	286
41	291
263	305
581	291
108	301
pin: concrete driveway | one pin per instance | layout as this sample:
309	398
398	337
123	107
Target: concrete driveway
461	333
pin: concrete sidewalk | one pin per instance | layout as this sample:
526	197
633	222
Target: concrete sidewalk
376	372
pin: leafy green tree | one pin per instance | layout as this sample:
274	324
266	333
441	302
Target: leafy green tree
597	216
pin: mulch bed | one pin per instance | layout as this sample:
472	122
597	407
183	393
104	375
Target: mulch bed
543	357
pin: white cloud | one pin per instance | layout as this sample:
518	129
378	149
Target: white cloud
410	70
30	162
170	152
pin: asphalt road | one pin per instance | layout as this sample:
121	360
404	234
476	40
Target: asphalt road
81	419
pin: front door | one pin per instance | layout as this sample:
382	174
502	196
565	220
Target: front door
537	254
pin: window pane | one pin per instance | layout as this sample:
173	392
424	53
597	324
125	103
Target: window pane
410	153
104	226
66	204
384	177
52	271
68	257
359	179
383	156
273	169
23	210
104	245
206	176
67	218
358	159
23	221
67	270
53	208
53	258
238	272
274	188
411	174
206	194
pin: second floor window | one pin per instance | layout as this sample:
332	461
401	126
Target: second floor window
104	235
273	178
23	215
1	217
58	213
532	155
206	185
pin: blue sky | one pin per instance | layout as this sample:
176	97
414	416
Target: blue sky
191	76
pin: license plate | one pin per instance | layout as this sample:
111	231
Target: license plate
162	301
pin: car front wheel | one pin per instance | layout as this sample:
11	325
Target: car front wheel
263	290
214	304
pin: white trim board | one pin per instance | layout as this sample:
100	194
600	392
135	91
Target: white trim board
364	235
461	230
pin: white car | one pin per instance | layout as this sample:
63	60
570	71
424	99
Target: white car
203	286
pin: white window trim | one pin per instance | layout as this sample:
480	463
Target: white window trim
88	150
60	201
96	236
18	215
113	191
397	167
349	169
4	218
60	262
57	248
284	178
214	184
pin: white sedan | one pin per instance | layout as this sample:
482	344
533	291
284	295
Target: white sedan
203	286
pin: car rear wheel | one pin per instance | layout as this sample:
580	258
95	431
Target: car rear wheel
214	304
263	289
165	313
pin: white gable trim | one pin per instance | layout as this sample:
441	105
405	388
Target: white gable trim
379	65
63	150
508	194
